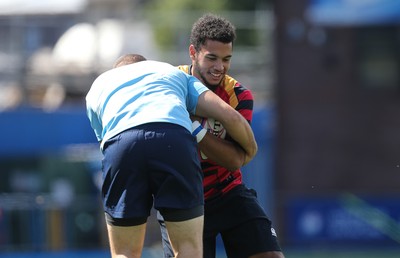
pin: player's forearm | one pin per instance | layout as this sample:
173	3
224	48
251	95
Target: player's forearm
210	105
225	153
241	132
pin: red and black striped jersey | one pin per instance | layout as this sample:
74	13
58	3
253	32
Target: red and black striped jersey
217	179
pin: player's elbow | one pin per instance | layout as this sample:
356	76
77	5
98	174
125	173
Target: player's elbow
235	163
237	159
253	150
250	153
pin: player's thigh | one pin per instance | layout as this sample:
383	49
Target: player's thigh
174	165
126	240
188	229
188	233
125	193
250	238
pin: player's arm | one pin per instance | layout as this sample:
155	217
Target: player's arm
210	105
225	153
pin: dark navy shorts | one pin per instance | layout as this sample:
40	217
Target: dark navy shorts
151	164
241	221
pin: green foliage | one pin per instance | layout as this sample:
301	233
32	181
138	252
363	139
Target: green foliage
172	19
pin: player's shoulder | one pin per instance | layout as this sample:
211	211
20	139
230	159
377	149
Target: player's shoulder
231	83
236	90
184	68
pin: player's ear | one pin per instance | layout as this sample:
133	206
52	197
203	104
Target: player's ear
192	52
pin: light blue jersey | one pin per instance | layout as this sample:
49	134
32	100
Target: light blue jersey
140	93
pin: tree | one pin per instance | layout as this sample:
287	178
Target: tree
172	19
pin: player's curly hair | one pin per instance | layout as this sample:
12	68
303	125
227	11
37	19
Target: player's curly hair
214	27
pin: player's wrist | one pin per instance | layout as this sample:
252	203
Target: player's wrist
198	131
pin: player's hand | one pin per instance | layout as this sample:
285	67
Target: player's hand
196	118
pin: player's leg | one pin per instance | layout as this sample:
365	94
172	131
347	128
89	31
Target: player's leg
166	244
209	241
249	231
126	241
253	239
177	177
186	237
127	198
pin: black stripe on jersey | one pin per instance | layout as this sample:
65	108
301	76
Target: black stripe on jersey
245	104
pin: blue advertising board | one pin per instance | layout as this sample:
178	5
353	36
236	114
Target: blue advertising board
343	219
34	132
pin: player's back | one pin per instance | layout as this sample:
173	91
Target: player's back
140	93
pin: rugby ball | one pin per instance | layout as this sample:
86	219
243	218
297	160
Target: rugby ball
213	126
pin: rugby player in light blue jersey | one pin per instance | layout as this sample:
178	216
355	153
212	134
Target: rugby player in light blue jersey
140	112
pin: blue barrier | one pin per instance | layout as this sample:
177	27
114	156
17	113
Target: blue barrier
34	132
343	219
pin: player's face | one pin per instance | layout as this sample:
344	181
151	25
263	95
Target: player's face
212	62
